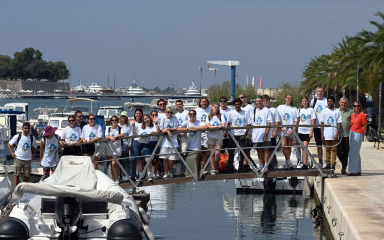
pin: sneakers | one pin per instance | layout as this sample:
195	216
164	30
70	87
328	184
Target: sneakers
288	164
116	181
149	177
156	176
328	166
319	164
305	166
213	172
165	176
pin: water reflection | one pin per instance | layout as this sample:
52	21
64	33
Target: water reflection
195	211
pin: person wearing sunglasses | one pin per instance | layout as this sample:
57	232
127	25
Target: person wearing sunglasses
152	143
194	142
202	113
331	116
80	119
138	117
70	136
162	105
167	153
182	116
248	141
343	147
91	133
114	147
356	137
124	124
224	111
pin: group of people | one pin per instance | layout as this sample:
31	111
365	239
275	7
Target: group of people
194	144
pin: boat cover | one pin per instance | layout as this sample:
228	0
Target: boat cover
74	176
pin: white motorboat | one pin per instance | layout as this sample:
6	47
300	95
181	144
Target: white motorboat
193	91
76	202
135	90
5	181
94	88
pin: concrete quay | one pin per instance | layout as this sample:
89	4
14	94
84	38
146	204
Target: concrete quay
354	206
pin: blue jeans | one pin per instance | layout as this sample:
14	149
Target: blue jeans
135	152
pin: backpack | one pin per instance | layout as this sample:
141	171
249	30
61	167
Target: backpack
18	140
45	139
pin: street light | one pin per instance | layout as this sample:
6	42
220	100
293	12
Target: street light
373	44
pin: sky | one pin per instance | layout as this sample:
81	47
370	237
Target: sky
164	43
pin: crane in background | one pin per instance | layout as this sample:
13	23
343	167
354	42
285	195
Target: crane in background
233	65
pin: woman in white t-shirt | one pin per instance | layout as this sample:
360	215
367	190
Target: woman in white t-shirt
70	136
194	142
168	125
215	121
114	147
91	133
145	150
124	124
307	116
288	116
49	151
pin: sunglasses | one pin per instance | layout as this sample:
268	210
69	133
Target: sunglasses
154	115
356	105
71	120
114	120
192	114
170	112
223	101
161	104
241	97
26	128
80	116
92	118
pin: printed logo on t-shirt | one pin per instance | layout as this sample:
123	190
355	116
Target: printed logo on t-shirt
192	134
52	148
73	138
25	147
180	121
259	121
92	135
286	117
330	120
319	109
238	122
204	118
303	118
216	123
169	124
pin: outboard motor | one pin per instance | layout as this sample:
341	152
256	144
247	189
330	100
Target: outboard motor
68	213
269	184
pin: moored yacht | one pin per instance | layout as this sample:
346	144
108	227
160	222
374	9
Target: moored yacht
135	89
193	91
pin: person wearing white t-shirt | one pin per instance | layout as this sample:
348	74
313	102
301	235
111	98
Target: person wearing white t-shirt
138	117
114	147
125	162
319	104
70	136
260	136
237	118
49	151
91	133
182	116
248	141
288	116
194	142
24	153
330	135
224	110
202	113
167	152
307	116
215	121
147	127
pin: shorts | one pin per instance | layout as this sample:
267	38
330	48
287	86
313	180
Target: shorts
47	169
317	133
22	165
183	143
262	144
204	139
248	141
145	150
88	149
152	145
304	137
169	153
213	141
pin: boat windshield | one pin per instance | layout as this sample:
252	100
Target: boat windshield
56	123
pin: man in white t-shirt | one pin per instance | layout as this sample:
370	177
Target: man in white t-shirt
248	141
224	110
330	135
260	136
237	118
202	113
182	116
319	104
25	151
273	131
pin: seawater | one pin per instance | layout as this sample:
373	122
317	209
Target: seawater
213	210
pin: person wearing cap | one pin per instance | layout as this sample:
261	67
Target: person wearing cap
124	124
49	151
91	133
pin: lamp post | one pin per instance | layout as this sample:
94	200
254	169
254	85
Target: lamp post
373	44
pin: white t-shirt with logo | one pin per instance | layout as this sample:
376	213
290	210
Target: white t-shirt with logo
169	123
288	114
51	152
89	133
202	114
215	121
306	116
194	138
261	118
127	130
116	145
183	116
275	118
250	109
71	135
319	108
147	130
225	113
331	117
239	119
23	150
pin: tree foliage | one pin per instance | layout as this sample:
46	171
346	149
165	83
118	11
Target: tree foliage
215	92
29	64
